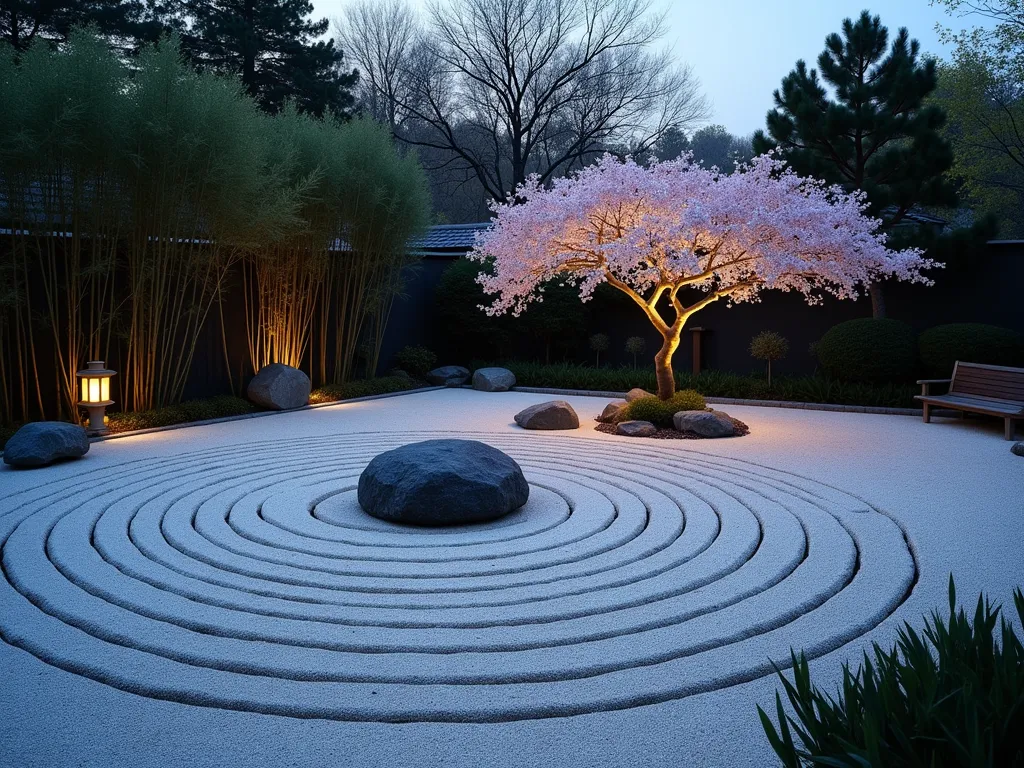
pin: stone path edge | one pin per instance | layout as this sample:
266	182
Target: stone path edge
735	401
256	415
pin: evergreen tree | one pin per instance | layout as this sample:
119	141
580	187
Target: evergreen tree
874	130
272	45
125	23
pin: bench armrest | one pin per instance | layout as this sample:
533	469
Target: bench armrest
926	383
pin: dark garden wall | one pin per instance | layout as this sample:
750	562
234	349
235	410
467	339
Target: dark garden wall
988	291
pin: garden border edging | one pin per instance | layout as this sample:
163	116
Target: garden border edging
256	415
735	401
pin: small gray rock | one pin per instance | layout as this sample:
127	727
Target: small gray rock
442	482
635	428
279	387
1018	448
493	379
705	423
555	414
43	442
636	393
448	376
612	412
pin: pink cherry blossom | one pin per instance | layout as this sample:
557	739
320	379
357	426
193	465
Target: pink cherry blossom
678	233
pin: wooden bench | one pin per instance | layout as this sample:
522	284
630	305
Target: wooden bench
994	390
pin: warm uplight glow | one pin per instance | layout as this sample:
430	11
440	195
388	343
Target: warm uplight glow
96	394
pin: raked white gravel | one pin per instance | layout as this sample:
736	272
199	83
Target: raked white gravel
214	596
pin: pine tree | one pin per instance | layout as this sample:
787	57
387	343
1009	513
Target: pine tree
272	46
874	130
125	23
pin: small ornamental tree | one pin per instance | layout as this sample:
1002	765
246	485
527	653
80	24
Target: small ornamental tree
769	346
676	237
599	343
635	345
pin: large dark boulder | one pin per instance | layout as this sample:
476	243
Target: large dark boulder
613	412
705	423
442	482
448	376
636	393
279	387
43	442
493	379
554	414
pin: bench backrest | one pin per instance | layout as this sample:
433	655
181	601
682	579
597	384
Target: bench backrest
995	381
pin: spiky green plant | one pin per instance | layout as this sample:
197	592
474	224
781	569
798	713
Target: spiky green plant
951	695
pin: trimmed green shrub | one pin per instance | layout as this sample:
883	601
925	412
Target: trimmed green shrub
711	383
6	433
191	410
950	696
416	360
940	347
660	412
383	385
869	349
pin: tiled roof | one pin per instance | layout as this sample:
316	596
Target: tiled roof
448	238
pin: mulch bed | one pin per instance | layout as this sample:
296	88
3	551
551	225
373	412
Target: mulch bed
675	434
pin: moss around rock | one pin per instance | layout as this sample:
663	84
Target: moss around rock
940	347
869	350
660	412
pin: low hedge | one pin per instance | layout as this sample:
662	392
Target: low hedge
363	388
801	389
660	412
869	350
223	406
940	347
218	407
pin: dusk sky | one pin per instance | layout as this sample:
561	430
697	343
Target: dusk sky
741	49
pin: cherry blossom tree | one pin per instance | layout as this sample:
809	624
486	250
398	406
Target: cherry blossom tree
676	237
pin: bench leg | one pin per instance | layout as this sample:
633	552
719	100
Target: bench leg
927	413
1008	428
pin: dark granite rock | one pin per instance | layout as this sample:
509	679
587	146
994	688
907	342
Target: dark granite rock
1018	449
555	414
442	482
448	376
43	442
705	423
279	387
493	379
612	412
636	393
635	428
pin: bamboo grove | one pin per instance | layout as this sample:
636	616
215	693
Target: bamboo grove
139	199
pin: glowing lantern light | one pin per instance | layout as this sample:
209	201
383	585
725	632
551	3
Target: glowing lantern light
96	394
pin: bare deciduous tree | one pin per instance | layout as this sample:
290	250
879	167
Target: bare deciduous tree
380	36
500	89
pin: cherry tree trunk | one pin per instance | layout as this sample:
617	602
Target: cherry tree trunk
663	363
877	300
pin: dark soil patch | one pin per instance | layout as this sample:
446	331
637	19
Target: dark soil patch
675	434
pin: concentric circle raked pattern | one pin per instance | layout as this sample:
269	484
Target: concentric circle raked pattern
247	577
